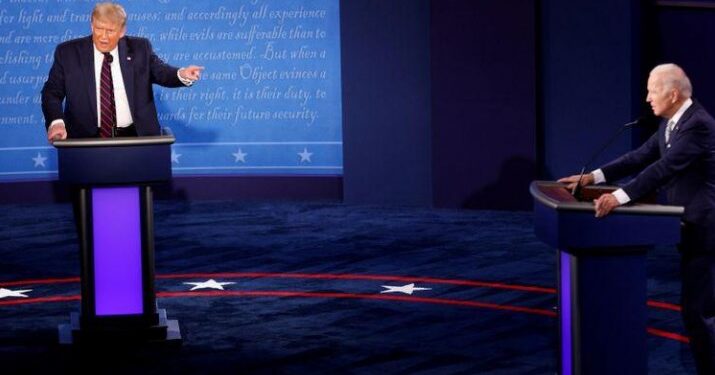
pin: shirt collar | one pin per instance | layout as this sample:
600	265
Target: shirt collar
676	117
98	54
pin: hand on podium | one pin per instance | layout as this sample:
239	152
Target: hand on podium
57	132
605	204
571	181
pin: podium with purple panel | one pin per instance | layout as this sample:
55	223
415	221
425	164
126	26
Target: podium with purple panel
601	266
114	216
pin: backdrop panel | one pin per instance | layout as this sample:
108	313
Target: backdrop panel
269	101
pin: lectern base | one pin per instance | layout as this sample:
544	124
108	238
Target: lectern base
166	332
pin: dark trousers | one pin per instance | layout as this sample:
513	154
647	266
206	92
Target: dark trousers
698	307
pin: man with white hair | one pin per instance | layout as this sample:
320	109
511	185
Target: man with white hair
679	157
101	85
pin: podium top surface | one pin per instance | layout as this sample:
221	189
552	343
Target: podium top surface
555	195
116	142
114	161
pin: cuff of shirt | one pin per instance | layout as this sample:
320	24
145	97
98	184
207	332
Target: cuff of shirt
621	196
186	82
59	121
598	176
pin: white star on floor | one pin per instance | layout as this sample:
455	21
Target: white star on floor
39	160
305	155
175	157
4	293
240	156
407	289
212	284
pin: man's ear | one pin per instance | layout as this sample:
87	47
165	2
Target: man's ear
674	95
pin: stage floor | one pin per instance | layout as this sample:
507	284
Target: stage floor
309	288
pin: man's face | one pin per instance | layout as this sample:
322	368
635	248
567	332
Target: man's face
106	34
661	100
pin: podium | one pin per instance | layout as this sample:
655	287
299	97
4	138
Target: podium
114	216
601	275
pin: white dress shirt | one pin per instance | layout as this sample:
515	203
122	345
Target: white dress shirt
620	194
121	102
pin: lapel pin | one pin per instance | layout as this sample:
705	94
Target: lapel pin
129	58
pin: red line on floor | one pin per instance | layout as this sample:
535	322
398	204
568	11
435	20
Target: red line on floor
668	335
40	281
324	276
27	301
663	305
347	276
381	297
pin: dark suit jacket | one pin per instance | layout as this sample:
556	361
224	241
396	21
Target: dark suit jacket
72	80
686	169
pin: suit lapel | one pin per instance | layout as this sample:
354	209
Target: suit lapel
86	61
126	63
688	113
684	120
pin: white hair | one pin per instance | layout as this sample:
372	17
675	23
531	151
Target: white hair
673	77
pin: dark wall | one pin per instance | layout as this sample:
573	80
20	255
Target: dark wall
592	80
690	45
438	102
386	101
493	116
483	103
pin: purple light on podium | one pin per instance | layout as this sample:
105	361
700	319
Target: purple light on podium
565	314
117	251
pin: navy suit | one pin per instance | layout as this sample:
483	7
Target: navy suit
72	80
685	167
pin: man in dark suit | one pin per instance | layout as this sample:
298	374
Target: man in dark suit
105	82
679	157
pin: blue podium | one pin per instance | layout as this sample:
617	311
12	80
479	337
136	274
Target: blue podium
113	212
601	275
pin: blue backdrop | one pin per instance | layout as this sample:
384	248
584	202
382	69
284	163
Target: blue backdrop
269	101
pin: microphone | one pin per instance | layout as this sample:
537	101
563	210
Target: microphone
576	189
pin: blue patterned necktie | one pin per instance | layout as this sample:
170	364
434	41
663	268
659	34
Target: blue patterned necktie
668	130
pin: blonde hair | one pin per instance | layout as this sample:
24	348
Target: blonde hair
110	12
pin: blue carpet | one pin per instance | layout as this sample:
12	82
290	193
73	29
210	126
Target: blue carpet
306	298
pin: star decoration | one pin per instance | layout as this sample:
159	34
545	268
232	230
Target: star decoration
13	293
210	284
240	156
175	157
39	160
407	289
305	155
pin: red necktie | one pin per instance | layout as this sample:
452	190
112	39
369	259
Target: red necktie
108	112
